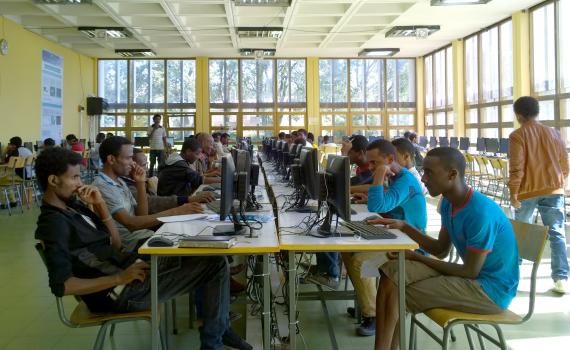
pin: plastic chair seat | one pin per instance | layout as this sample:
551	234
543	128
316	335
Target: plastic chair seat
443	317
81	316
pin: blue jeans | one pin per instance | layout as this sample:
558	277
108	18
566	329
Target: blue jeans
179	276
328	263
551	209
154	154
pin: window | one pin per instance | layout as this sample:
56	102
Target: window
440	118
550	71
138	89
257	98
367	96
489	82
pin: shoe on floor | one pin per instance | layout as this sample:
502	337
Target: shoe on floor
324	280
233	340
368	327
560	286
351	311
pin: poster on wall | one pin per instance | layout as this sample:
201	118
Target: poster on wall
52	96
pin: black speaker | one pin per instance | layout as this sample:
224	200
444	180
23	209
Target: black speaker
96	105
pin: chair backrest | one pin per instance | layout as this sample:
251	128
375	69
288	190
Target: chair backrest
530	241
19	162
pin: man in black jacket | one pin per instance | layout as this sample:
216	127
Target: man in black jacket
177	177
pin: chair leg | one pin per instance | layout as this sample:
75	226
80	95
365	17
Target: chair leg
501	336
112	330
469	339
19	199
174	326
191	310
413	331
7	202
481	339
100	340
452	335
445	340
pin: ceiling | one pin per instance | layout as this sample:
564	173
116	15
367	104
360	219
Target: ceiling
323	28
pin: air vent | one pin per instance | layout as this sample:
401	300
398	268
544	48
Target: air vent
381	52
263	3
420	32
259	32
105	32
135	52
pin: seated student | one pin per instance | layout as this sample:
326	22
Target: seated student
357	156
76	146
48	143
15	149
94	155
203	165
84	256
327	142
177	177
403	200
404	154
130	214
160	203
225	141
218	146
485	283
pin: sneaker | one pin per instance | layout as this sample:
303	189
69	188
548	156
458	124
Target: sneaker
351	311
233	340
368	327
560	286
324	280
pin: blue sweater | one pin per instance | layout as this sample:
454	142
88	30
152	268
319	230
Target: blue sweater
404	200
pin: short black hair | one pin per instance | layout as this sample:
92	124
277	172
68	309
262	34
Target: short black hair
527	107
311	136
225	135
281	135
191	144
326	139
156	115
49	142
216	134
111	146
359	143
302	131
403	146
71	137
54	161
383	146
100	137
451	158
16	141
407	134
137	151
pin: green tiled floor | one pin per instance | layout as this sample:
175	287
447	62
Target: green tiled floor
28	315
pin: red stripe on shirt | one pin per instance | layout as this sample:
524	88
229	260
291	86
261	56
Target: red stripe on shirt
477	250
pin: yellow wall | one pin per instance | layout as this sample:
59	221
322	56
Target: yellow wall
20	84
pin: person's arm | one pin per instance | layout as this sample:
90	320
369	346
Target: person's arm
469	269
359	189
516	167
150	130
91	196
563	159
382	202
134	223
138	175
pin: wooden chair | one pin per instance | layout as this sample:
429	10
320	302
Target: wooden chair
530	241
472	174
10	182
81	317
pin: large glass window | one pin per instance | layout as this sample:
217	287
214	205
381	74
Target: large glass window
440	118
550	72
371	97
489	82
137	89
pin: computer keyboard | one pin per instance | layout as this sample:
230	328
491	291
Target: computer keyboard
214	206
367	231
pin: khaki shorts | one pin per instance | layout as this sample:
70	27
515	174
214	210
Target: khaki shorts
428	289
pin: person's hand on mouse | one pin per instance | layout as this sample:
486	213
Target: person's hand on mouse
389	223
359	198
202	197
189	208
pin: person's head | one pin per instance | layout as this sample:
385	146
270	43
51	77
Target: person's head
380	153
294	135
225	138
100	137
109	134
116	153
58	172
302	134
407	134
357	153
413	137
16	142
216	136
326	139
206	141
281	135
191	150
311	137
526	108
404	152
140	158
71	139
444	169
49	142
156	118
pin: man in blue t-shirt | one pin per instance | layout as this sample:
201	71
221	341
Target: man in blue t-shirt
397	194
485	283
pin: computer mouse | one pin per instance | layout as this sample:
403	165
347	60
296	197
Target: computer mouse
372	217
159	241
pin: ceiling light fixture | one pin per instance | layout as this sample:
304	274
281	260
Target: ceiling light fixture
458	2
257	53
64	2
259	32
105	32
135	52
264	3
420	32
383	52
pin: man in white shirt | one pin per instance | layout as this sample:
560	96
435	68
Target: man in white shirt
157	139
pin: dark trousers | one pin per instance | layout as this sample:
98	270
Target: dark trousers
154	154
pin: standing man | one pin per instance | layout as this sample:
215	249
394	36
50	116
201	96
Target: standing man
157	139
538	168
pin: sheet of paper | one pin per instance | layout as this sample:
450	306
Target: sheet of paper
182	218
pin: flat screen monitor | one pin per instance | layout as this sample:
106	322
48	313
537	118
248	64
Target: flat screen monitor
243	168
491	145
338	185
142	142
480	144
504	146
423	141
464	143
432	142
227	195
454	142
309	172
443	142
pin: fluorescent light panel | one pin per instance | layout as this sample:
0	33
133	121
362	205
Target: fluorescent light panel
382	52
419	31
63	2
135	52
458	2
105	32
257	52
259	32
263	3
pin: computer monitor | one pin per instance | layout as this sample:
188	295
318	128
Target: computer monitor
480	144
227	195
142	142
491	145
432	142
504	146
443	142
309	172
337	182
454	142
423	141
464	143
243	168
